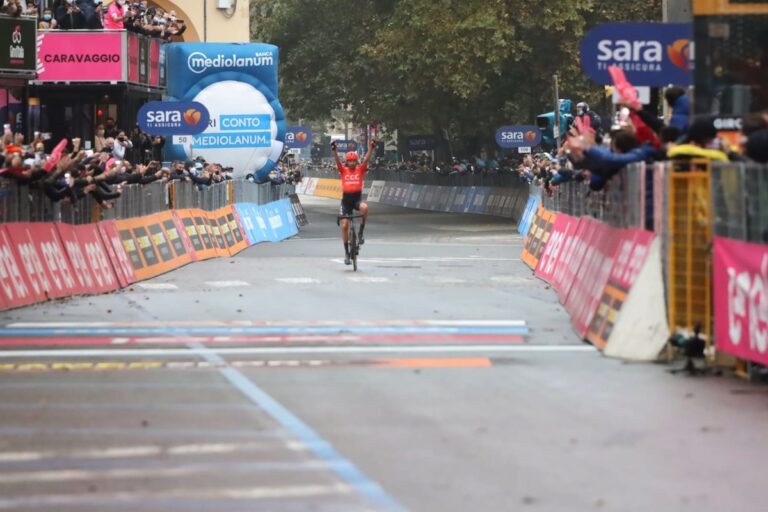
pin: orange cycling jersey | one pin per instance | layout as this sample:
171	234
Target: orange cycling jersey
352	179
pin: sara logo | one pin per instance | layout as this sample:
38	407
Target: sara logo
519	136
174	118
679	53
193	117
651	54
16	35
297	137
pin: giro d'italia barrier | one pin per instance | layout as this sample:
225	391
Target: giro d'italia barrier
701	264
506	202
48	260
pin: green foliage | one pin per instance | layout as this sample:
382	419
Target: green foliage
460	67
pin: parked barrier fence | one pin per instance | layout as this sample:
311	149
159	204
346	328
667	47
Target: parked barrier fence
689	207
621	205
29	204
53	250
422	178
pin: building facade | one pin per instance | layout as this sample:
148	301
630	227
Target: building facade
217	21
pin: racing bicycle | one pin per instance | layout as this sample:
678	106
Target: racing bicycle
354	245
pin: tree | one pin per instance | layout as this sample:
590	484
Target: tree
451	67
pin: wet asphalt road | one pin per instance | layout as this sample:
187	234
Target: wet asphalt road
441	377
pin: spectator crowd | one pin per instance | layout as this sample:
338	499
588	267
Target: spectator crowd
138	17
593	155
69	172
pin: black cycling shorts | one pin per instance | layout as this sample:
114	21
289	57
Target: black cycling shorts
350	203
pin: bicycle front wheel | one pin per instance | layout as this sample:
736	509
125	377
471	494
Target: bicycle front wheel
353	248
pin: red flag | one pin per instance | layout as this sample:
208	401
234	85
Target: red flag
627	93
56	155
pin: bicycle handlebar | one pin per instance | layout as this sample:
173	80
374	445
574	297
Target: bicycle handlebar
350	217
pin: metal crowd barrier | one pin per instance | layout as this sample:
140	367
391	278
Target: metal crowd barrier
189	195
451	180
139	200
423	178
621	204
28	204
686	204
740	201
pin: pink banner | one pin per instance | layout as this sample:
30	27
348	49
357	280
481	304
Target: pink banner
15	286
552	261
81	56
631	253
589	282
154	62
741	299
113	244
43	259
133	58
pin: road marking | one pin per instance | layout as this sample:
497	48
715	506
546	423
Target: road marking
133	452
446	244
344	468
161	498
257	351
154	433
297	280
341	339
271	323
112	366
368	279
227	284
157	286
427	259
443	280
73	475
300	239
513	280
122	332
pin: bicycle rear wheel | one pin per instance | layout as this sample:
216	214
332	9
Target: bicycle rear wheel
353	248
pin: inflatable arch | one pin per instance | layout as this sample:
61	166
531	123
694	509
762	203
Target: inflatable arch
237	83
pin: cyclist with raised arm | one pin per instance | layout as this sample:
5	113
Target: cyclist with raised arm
352	176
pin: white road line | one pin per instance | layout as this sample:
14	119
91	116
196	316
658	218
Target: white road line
447	244
299	239
244	351
73	475
443	279
133	452
227	284
268	323
427	260
368	279
157	286
512	279
298	280
250	493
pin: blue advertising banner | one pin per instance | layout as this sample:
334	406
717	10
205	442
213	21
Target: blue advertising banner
421	142
342	146
480	200
297	137
272	222
651	54
173	118
255	228
528	215
518	136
